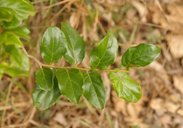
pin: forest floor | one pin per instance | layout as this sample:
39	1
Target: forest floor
134	22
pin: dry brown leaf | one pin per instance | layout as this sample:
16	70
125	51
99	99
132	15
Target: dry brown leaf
116	124
173	20
175	98
75	19
158	67
178	83
120	106
161	71
132	111
178	121
171	107
180	112
166	53
157	15
161	106
142	10
157	105
175	43
166	120
176	15
60	119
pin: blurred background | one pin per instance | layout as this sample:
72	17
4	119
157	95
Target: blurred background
137	21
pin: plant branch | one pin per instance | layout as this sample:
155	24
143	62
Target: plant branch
79	68
32	57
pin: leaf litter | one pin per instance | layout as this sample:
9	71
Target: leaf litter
161	105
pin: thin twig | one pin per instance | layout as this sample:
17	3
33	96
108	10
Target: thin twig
79	68
2	108
56	4
161	9
30	117
35	123
6	102
32	57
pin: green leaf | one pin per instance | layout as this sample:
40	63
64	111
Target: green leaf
21	31
52	44
22	8
18	65
125	86
13	24
140	55
1	71
13	71
70	83
5	14
45	78
105	53
45	99
93	89
75	46
9	38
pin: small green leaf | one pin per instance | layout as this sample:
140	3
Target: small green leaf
22	32
105	53
22	8
13	24
18	65
75	46
70	83
5	14
45	99
140	55
125	86
9	38
13	71
52	44
45	78
93	89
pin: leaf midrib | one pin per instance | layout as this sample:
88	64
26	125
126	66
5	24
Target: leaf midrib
52	44
94	89
125	87
71	46
103	54
44	77
71	84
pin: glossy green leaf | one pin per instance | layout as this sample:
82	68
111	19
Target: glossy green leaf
93	89
52	44
70	83
105	53
140	55
22	8
125	86
75	46
45	99
45	78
